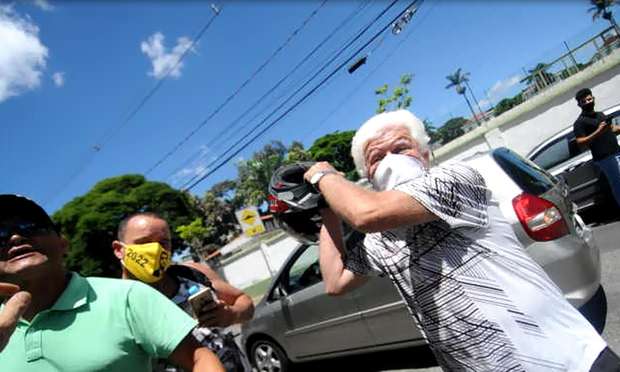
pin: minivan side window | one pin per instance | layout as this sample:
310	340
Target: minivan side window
554	153
305	271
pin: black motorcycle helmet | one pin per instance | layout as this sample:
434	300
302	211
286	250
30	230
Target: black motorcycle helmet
295	203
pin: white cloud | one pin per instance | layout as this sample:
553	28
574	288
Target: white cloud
58	78
498	90
44	5
22	55
197	169
163	62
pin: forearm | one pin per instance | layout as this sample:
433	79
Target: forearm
206	361
587	140
336	277
353	203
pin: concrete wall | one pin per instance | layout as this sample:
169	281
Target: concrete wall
527	125
258	264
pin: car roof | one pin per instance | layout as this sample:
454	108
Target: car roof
566	131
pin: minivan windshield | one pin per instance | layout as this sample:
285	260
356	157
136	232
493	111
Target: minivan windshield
527	175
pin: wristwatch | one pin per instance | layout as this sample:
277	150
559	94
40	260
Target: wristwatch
314	180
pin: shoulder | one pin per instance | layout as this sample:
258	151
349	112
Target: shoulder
110	285
457	173
118	289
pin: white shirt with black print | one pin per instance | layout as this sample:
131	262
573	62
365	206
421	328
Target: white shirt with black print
479	299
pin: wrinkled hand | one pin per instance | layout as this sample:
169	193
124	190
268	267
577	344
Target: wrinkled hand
217	314
321	166
14	308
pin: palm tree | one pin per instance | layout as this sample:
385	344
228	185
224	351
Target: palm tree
601	10
456	81
539	76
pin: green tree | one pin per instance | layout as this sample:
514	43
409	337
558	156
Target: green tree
452	129
297	153
539	76
507	103
195	233
456	80
431	131
399	99
254	174
601	9
336	149
219	217
90	221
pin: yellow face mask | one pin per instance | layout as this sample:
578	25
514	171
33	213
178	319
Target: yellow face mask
147	262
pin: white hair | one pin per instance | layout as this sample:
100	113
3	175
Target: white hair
371	128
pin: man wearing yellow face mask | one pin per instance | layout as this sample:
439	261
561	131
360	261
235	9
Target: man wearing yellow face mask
144	250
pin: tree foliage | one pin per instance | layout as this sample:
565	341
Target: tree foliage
399	99
507	103
452	129
254	174
601	9
90	221
195	233
336	149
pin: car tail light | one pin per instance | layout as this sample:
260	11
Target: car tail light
540	218
276	205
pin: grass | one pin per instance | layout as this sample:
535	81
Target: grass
258	289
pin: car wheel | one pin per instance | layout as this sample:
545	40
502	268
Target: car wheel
595	310
267	356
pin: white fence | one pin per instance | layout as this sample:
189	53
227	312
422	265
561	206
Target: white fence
259	264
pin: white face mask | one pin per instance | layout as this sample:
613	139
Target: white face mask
395	169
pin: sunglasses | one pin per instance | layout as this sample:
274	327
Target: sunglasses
26	229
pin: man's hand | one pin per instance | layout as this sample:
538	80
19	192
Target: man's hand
321	166
14	308
603	126
217	314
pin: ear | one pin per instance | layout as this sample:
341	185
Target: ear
119	249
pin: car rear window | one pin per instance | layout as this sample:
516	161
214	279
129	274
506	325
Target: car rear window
524	173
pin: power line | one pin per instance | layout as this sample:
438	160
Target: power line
108	135
229	128
325	65
161	81
303	98
357	88
238	90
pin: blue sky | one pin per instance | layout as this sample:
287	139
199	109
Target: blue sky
70	72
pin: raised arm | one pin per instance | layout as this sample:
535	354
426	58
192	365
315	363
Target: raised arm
602	127
337	279
368	210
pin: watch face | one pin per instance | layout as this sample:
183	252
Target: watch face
316	177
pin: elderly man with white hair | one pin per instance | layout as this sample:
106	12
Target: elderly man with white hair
482	303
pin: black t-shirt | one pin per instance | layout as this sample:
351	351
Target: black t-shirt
604	145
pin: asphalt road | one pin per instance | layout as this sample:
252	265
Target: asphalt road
421	359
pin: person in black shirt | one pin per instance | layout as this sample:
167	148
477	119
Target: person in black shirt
593	129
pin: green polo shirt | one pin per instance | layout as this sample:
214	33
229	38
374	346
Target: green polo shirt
98	324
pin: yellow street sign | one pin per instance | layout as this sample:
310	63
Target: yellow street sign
250	221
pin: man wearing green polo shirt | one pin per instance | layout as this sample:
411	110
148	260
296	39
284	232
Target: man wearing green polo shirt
80	324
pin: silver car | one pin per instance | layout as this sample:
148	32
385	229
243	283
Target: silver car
589	189
297	321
